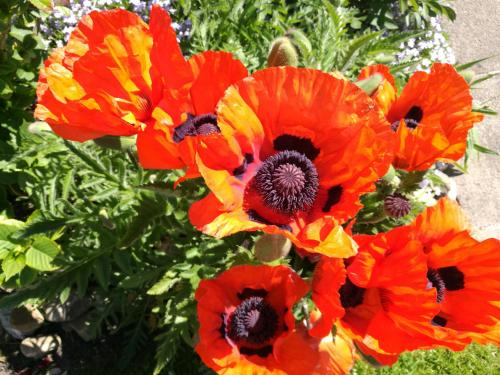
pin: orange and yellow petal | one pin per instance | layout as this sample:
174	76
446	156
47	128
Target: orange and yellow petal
441	220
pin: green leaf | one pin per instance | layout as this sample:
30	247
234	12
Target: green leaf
63	297
13	265
166	349
485	111
41	254
354	47
150	207
42	4
19	34
6	247
102	271
485	150
168	280
44	226
471	63
9	226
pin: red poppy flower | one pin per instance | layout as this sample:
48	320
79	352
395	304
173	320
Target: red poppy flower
245	313
297	149
431	117
384	295
119	76
462	270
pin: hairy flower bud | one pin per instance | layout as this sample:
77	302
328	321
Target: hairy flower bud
282	53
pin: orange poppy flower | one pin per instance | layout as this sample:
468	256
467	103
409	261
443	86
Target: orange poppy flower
245	314
431	117
119	76
297	149
384	295
462	270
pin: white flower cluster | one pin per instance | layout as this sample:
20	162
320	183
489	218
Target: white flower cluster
430	47
66	14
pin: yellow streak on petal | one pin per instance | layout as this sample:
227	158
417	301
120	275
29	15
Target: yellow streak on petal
62	84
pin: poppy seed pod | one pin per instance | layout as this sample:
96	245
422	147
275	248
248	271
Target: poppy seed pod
271	247
282	53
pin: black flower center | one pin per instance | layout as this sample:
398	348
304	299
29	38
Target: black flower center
287	182
412	118
196	125
351	295
397	206
445	278
437	282
254	321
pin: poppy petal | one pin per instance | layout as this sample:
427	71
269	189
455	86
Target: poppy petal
214	72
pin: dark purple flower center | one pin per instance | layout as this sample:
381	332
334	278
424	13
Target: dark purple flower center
351	295
445	278
205	124
412	118
437	282
397	206
254	321
287	182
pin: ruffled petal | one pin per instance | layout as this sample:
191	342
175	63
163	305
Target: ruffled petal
329	276
214	72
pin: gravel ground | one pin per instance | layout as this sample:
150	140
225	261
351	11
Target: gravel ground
476	34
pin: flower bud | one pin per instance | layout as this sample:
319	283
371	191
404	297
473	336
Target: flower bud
370	84
271	247
282	53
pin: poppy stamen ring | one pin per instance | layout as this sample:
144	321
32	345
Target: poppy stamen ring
253	321
287	182
205	124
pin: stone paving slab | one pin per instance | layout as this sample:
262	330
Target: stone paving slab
476	34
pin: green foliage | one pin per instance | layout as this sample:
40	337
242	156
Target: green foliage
401	14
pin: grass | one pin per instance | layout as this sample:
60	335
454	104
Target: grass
475	360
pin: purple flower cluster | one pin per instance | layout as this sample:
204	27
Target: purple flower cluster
66	14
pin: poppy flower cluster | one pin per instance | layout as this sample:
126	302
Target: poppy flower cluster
290	151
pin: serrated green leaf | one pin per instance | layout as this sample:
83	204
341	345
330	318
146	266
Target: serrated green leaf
41	254
148	210
167	281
